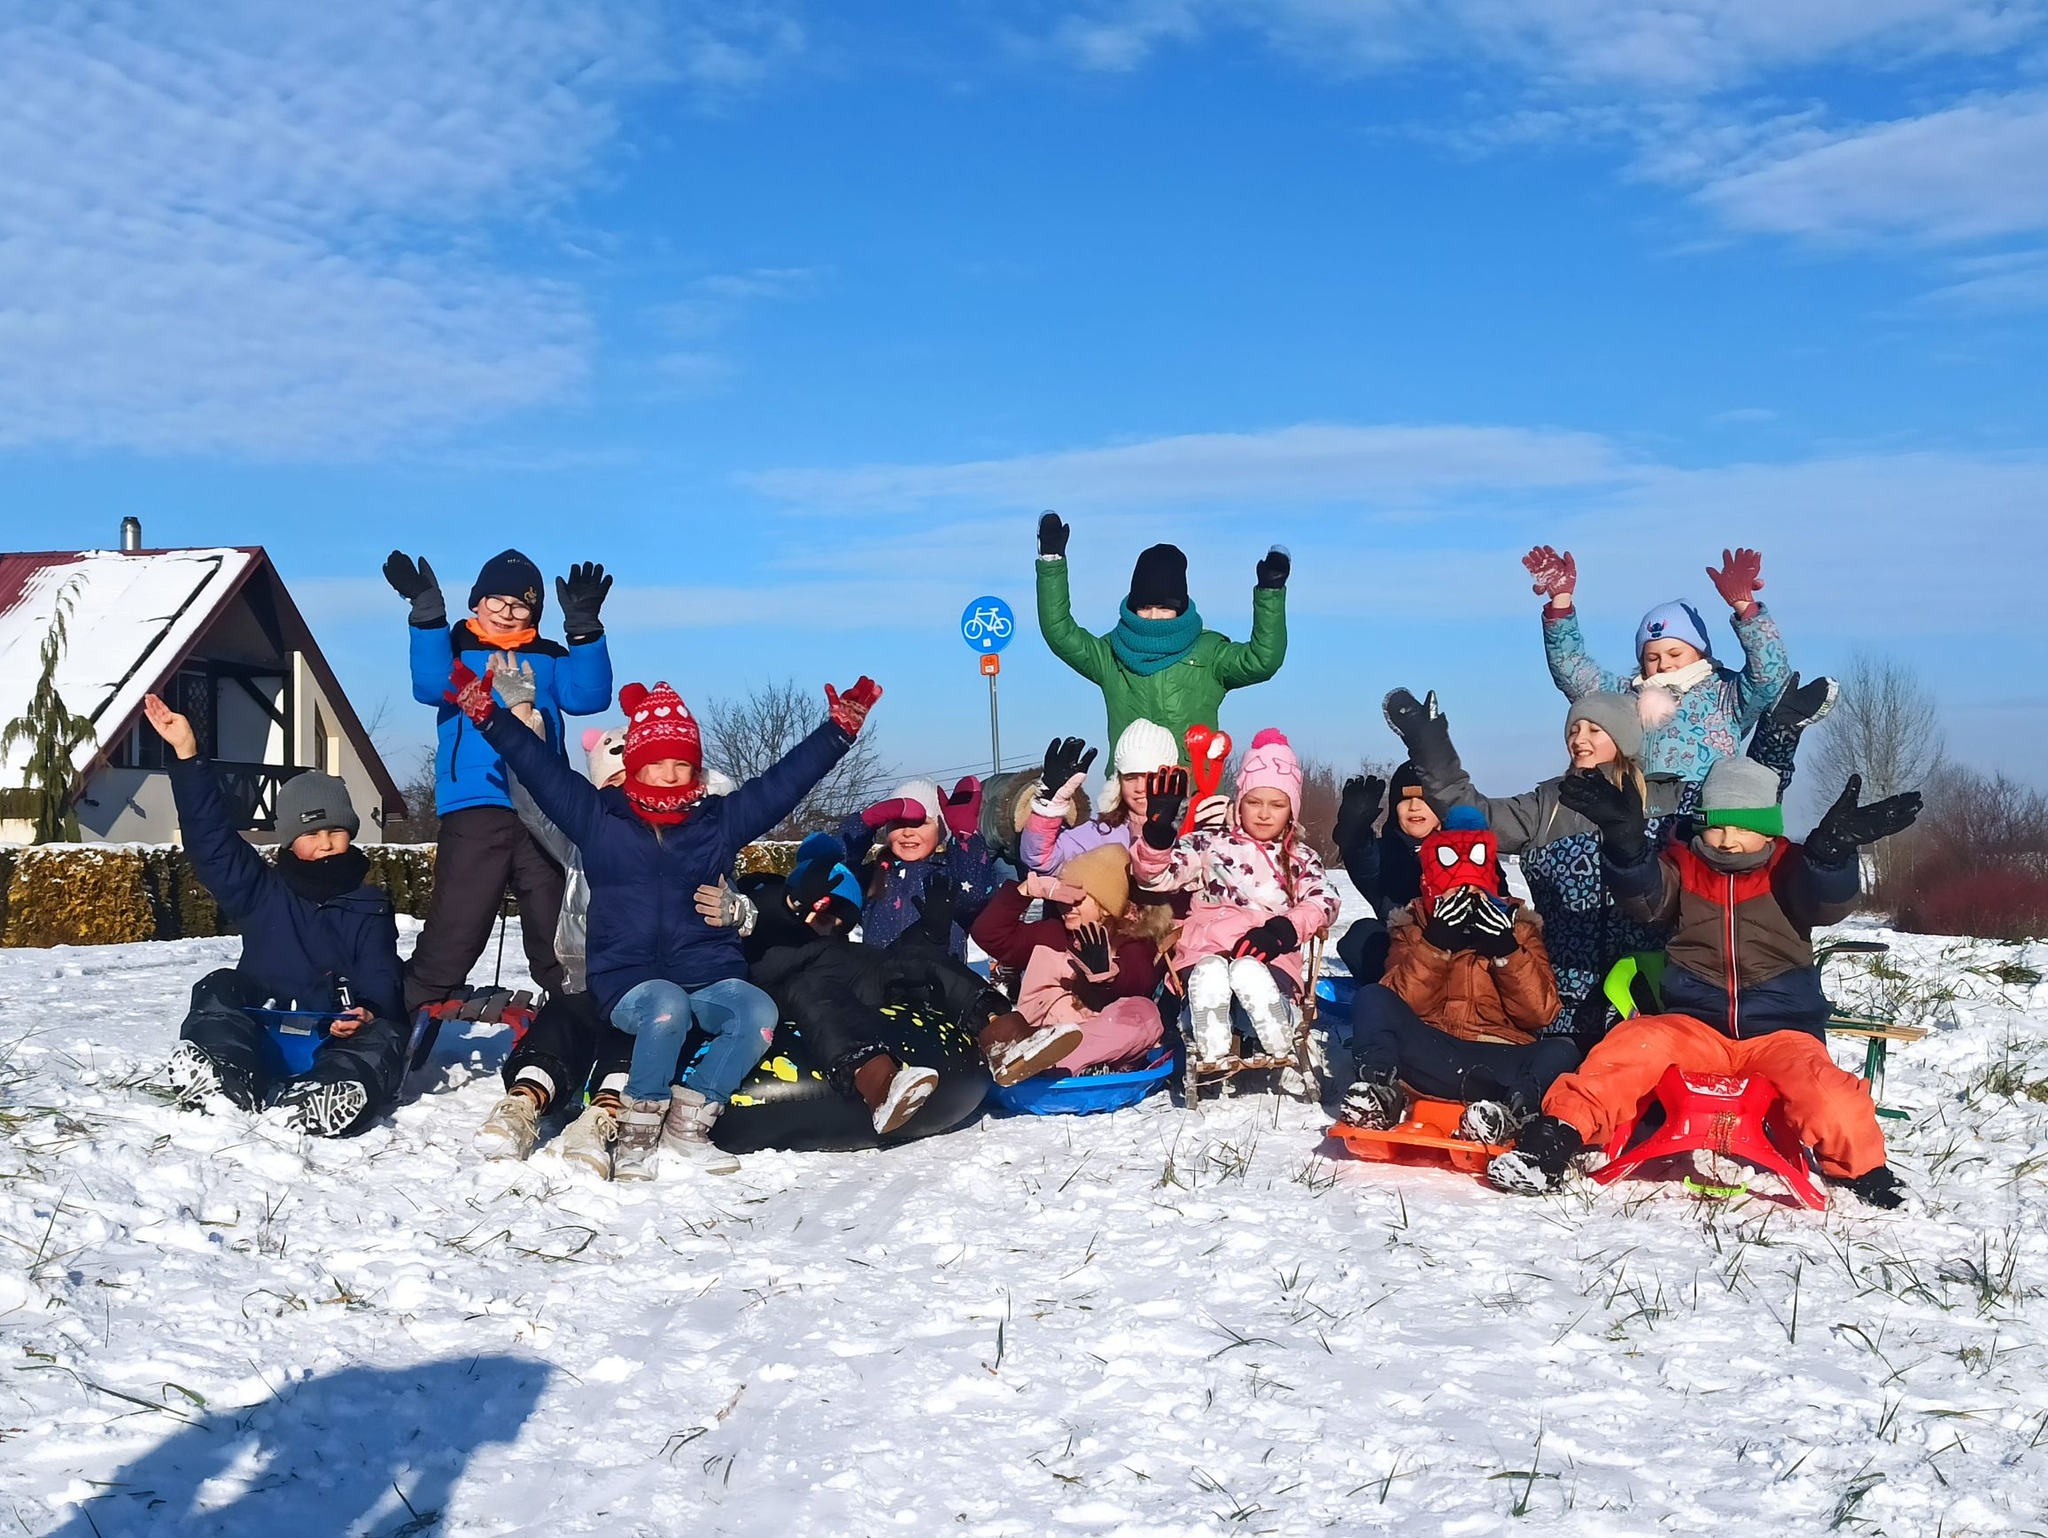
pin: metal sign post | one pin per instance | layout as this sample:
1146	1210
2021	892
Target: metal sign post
987	625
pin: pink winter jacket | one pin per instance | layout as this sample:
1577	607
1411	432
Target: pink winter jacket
1237	884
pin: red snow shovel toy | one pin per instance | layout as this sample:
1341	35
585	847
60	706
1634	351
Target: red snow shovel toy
1208	755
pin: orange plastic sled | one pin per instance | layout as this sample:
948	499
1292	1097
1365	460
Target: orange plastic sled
1428	1137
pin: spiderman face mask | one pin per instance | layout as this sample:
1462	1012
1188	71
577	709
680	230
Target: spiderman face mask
1455	857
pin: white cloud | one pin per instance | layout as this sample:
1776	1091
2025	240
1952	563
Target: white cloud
1966	173
1657	45
264	228
2014	280
1312	463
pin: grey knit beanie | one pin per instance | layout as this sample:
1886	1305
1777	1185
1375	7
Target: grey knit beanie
1614	714
313	802
1742	793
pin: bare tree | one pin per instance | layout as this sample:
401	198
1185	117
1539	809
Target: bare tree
1885	727
744	736
421	823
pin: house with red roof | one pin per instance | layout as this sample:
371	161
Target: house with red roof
217	635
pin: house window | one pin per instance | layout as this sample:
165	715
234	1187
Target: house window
323	752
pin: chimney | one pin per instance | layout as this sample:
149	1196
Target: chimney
131	534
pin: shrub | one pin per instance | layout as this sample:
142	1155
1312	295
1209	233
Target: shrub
67	895
1977	861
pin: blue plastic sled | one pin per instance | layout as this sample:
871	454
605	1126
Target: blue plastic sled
1087	1093
291	1037
1336	994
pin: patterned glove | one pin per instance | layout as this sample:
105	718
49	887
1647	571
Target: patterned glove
581	594
850	709
416	581
1489	930
1739	580
470	694
1555	574
1166	792
1271	940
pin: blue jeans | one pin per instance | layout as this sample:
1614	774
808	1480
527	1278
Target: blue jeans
738	1017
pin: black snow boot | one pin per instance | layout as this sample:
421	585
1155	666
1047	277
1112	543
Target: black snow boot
1536	1164
1878	1188
1374	1102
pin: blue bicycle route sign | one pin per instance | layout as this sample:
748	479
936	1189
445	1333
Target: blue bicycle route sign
987	624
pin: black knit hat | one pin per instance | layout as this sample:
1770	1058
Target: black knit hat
508	574
1407	778
1160	580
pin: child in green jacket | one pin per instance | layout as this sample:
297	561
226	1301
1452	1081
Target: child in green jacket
1159	664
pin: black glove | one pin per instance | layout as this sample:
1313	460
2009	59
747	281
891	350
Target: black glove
935	912
1274	568
1490	931
1359	810
1270	941
1166	795
1802	705
1063	760
1848	827
1091	944
1419	724
581	594
416	581
1616	810
1052	535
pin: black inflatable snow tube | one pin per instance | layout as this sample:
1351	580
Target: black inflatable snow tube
787	1104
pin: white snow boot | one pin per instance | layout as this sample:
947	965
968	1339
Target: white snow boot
511	1129
639	1138
1012	1062
325	1107
588	1140
191	1077
1209	1009
686	1132
908	1090
1270	1012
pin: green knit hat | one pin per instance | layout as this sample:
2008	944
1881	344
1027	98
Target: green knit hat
1741	793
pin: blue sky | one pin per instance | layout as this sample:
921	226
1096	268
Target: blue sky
794	317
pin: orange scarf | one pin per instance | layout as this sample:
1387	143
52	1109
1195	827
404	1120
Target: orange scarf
501	640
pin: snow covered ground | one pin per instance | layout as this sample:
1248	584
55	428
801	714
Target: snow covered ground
1151	1323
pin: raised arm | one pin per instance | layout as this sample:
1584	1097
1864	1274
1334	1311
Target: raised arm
764	801
1086	654
1239	664
234	873
568	799
1515	821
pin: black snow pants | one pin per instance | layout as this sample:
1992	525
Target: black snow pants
572	1043
1387	1037
483	850
220	1027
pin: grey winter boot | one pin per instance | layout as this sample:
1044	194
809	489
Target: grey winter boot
587	1141
687	1131
1489	1121
1375	1104
640	1127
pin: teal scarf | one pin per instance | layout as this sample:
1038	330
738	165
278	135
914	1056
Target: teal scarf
1148	646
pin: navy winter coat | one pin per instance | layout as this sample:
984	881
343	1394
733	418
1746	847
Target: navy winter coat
567	681
293	949
644	923
968	865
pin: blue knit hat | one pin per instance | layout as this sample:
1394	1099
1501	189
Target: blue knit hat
842	887
508	574
1674	621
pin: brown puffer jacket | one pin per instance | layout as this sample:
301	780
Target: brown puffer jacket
1465	994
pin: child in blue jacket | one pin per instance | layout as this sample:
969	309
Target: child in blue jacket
483	847
310	930
654	965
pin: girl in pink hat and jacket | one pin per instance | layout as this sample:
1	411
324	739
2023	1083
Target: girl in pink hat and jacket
1258	893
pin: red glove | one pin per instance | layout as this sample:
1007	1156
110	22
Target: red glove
1554	570
1739	580
962	810
901	809
470	694
848	710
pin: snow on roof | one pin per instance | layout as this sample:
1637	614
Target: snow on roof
133	615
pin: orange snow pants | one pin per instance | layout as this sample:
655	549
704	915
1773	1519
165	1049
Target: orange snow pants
1829	1108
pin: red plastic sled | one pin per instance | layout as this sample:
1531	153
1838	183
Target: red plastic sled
1736	1118
1428	1137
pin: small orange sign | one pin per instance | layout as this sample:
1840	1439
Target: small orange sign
991	664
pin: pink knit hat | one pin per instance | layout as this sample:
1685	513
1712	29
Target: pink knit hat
1271	765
